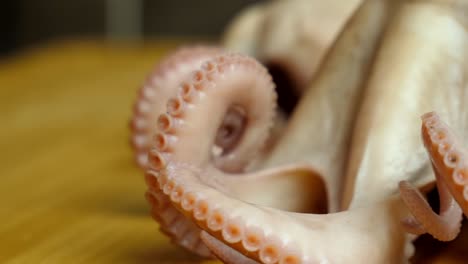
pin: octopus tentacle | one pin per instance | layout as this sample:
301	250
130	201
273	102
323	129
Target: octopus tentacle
450	169
238	127
445	226
184	108
269	235
224	88
160	85
448	157
175	225
223	252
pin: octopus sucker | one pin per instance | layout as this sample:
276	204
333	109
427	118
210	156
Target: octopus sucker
167	123
171	221
232	231
450	170
161	84
162	191
241	125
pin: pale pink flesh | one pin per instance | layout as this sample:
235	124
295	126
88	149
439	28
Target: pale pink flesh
168	137
439	142
161	84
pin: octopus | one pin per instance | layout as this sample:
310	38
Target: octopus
347	172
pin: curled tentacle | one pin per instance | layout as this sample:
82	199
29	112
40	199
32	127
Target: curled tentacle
445	226
160	85
232	97
448	157
186	173
237	95
269	235
441	147
172	125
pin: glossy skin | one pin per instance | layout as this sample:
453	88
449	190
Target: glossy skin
202	183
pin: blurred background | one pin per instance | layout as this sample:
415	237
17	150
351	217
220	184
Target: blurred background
70	188
24	23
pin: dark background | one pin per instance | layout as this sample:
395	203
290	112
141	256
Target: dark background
24	23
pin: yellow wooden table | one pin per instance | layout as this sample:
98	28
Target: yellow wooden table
70	192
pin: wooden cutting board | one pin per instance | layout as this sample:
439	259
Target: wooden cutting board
70	192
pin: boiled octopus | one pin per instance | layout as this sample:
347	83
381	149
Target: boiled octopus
338	185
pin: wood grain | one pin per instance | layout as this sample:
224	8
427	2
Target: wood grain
70	192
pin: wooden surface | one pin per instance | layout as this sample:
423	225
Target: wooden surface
70	192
